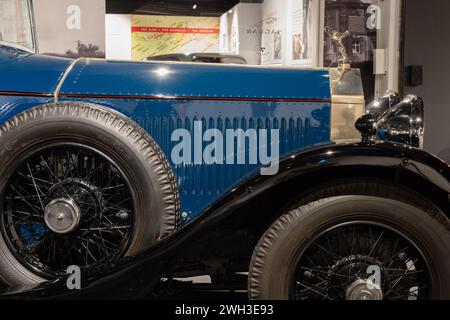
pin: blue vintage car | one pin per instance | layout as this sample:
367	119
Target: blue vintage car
159	170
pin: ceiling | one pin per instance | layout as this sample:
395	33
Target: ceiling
211	8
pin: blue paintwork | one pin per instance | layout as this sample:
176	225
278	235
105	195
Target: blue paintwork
24	72
189	80
301	123
13	105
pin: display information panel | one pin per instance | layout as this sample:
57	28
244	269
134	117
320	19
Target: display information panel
156	35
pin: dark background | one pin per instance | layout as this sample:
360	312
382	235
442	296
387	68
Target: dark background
427	43
178	7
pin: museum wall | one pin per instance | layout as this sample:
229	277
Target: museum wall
70	28
275	32
427	44
290	32
118	36
240	32
249	38
274	27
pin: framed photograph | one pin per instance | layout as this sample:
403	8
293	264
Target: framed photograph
277	46
302	27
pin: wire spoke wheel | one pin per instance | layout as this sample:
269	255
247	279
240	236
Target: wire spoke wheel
361	261
67	205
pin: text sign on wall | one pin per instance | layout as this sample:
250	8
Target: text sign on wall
156	35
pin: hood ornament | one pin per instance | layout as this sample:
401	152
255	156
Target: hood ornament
337	37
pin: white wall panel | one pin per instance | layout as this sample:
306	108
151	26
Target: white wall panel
118	36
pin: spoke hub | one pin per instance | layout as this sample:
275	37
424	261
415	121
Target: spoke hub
364	290
62	215
343	262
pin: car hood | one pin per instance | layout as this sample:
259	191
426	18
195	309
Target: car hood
24	72
165	80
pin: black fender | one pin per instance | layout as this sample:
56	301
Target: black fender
138	276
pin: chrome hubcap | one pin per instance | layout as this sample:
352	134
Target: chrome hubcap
364	290
62	215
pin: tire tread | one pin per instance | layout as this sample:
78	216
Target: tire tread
149	149
320	196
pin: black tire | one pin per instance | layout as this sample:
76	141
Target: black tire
136	156
274	264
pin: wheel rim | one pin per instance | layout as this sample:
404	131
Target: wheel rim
361	261
67	205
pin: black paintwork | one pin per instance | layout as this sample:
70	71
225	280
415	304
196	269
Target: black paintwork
139	276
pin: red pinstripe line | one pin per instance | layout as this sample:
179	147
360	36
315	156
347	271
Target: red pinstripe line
143	97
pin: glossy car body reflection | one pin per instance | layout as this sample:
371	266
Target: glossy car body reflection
162	97
140	276
227	208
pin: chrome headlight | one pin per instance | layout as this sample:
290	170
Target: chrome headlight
381	105
404	123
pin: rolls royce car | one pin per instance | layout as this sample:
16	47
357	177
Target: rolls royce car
140	173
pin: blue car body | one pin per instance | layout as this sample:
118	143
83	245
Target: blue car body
162	97
231	203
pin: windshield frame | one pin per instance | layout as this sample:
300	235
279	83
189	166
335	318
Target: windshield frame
32	25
